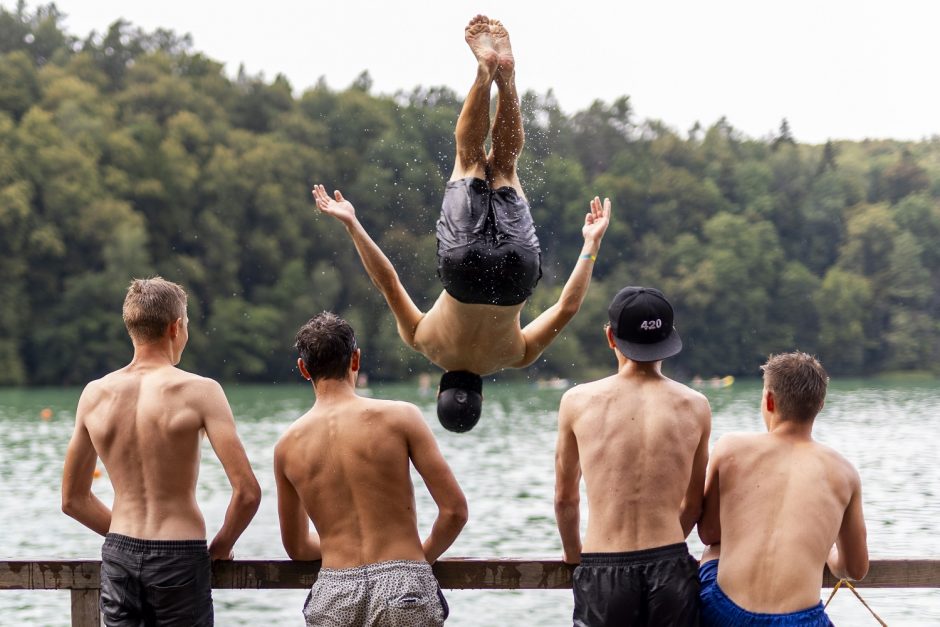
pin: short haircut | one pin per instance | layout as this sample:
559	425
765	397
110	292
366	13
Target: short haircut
798	382
326	344
150	306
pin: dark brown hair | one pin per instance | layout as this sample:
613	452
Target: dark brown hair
150	306
326	343
798	382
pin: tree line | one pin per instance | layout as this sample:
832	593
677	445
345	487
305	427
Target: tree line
129	153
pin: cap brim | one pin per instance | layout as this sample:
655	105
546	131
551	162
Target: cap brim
668	347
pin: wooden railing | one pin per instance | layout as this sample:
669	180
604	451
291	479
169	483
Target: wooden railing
81	577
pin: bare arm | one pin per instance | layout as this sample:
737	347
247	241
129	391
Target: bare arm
709	525
246	493
296	537
691	509
545	328
567	482
451	503
378	267
848	557
78	501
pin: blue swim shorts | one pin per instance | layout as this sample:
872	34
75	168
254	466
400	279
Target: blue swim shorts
720	611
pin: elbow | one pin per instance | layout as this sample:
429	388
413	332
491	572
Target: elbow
249	498
69	505
708	534
569	308
858	569
565	505
457	516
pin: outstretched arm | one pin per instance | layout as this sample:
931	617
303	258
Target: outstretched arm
567	482
545	328
377	265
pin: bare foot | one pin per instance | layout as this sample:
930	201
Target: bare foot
479	39
506	63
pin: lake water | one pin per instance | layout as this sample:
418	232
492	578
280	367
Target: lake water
505	466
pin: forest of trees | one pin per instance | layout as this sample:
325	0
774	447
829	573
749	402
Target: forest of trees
130	154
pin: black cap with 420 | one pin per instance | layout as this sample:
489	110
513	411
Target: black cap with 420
642	322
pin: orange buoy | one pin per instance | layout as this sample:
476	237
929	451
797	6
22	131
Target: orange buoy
46	414
97	473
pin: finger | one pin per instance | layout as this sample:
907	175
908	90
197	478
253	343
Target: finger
339	195
607	207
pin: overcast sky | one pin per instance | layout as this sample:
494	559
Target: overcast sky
841	69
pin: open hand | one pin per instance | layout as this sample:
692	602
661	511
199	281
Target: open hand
339	208
597	221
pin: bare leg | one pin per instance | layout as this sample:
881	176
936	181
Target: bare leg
508	136
474	121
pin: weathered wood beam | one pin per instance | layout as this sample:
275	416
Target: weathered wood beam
506	573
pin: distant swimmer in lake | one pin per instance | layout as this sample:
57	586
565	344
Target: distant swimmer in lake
346	465
778	507
146	421
640	440
489	259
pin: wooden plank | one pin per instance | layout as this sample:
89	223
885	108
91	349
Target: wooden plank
896	573
85	611
50	575
506	573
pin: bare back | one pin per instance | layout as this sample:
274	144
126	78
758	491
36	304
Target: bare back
782	503
350	466
478	338
641	443
145	424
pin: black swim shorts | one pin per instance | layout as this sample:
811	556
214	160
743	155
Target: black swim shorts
155	582
487	249
649	587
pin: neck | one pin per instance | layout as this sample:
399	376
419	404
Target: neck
159	353
630	368
791	429
328	390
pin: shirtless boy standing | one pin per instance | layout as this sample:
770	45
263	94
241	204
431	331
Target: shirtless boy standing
489	259
641	442
145	421
346	464
778	507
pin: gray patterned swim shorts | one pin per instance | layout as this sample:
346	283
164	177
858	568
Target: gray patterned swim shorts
397	593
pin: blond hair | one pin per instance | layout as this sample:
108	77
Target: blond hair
150	306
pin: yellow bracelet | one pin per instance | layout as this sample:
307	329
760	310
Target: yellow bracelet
588	256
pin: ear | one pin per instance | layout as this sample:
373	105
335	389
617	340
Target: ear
610	337
771	404
173	329
355	359
303	369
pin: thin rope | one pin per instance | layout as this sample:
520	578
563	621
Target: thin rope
849	585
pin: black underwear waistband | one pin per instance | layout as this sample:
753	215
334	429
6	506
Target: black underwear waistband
680	549
170	547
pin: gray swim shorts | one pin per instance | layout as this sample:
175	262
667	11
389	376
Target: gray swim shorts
397	593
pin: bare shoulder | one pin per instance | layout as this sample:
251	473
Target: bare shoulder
397	413
838	462
584	392
196	387
695	399
731	443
